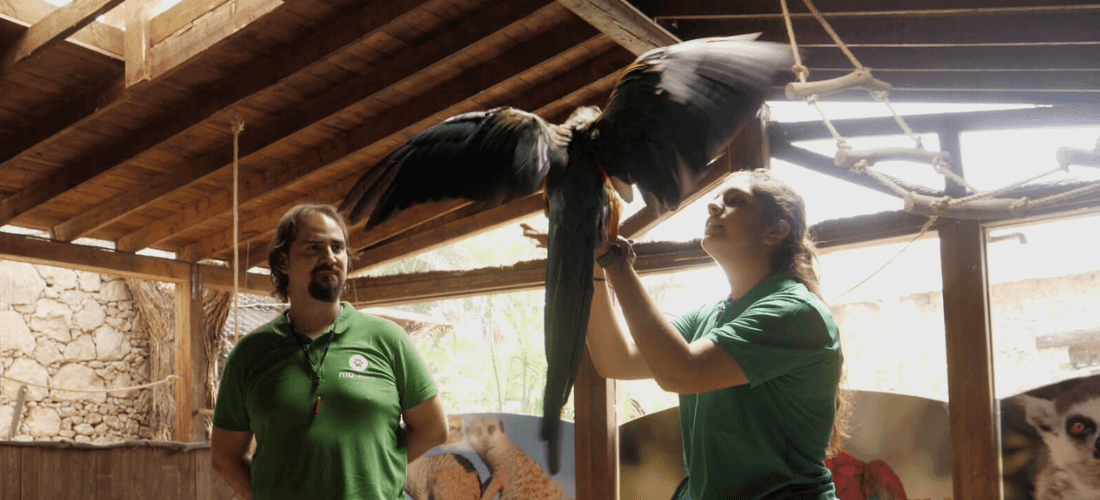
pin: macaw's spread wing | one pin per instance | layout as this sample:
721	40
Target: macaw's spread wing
494	156
677	107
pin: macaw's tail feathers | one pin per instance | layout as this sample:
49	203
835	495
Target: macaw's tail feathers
551	433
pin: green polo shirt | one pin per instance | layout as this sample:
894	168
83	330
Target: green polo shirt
350	448
766	439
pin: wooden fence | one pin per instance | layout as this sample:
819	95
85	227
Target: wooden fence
134	470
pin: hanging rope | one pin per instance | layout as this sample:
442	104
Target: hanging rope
237	128
166	380
923	230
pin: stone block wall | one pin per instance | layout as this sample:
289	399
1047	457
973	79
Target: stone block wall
75	330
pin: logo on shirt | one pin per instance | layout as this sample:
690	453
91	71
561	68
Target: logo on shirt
358	363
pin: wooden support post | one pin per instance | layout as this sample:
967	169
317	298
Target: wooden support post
596	435
189	356
972	405
136	41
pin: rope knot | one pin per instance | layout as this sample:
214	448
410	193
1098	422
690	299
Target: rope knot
236	123
941	204
801	71
1019	205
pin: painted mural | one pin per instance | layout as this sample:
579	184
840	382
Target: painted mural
493	455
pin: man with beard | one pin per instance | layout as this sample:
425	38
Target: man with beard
339	402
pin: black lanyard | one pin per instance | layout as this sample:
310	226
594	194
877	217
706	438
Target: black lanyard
315	372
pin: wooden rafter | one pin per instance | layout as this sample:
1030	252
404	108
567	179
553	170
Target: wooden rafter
420	62
884	60
823	164
101	38
92	259
169	50
213	102
720	9
653	258
1057	116
217	205
402	124
623	23
436	237
556	111
52	30
1025	26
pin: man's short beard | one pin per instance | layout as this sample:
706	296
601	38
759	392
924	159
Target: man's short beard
323	292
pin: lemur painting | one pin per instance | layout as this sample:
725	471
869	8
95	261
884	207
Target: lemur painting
1069	425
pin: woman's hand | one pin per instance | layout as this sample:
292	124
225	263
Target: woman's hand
617	254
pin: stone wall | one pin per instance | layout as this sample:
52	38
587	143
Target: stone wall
74	330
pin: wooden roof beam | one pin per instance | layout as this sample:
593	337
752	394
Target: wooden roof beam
653	258
883	59
98	37
823	164
623	23
720	9
1039	80
402	124
557	91
100	260
1022	27
52	30
969	121
416	63
437	237
212	102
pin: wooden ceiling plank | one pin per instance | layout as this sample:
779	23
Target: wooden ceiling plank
549	91
415	63
193	112
623	23
404	123
63	117
98	37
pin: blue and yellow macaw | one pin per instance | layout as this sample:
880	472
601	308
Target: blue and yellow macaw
674	109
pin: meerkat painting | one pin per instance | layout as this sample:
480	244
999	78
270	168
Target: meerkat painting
512	473
446	476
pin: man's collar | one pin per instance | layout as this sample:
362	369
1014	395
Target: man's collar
341	325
